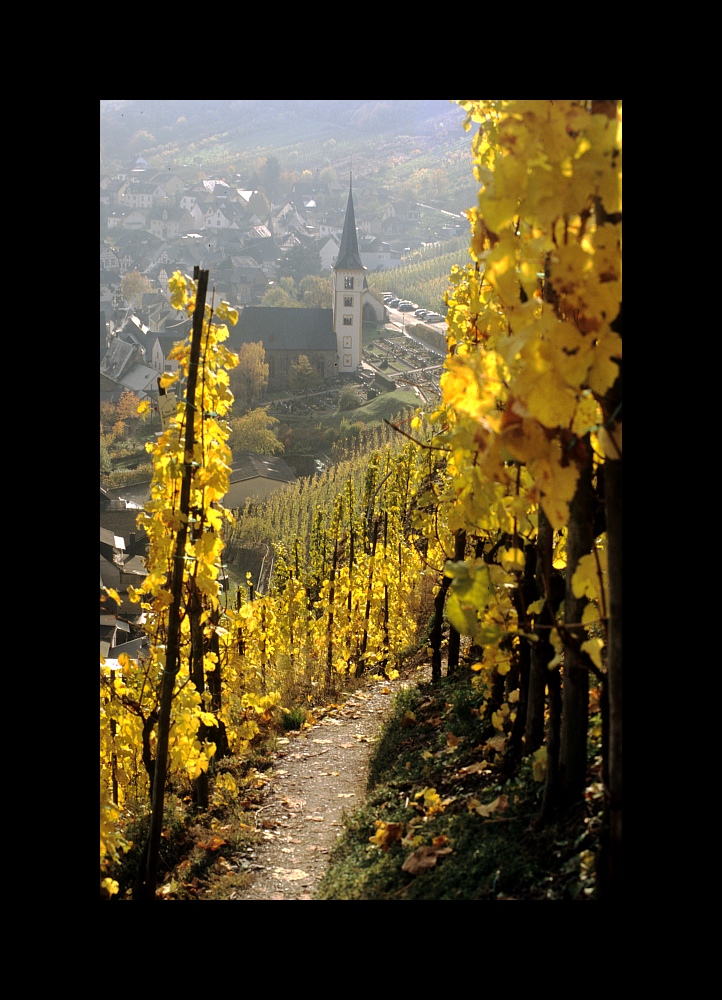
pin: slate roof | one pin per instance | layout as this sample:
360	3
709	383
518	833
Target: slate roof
250	465
348	254
140	379
281	329
134	492
118	359
134	648
122	524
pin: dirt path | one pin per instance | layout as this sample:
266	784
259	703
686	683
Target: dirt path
319	774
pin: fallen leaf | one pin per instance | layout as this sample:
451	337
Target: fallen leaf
346	746
316	819
452	741
479	768
499	804
213	844
345	795
423	859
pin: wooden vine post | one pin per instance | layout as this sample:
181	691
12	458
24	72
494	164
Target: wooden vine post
172	665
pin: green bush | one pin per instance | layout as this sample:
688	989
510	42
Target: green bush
293	718
348	399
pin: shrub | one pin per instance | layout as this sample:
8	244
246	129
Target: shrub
348	399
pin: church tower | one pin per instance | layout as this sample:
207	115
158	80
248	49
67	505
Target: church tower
348	287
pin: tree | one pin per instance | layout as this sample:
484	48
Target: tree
278	298
269	175
134	286
254	431
108	416
348	399
303	376
249	378
316	292
127	408
301	261
258	204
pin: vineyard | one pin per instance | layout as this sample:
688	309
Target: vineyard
485	534
426	280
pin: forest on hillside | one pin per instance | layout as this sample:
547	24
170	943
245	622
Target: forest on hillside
485	533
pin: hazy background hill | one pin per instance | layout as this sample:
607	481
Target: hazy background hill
410	148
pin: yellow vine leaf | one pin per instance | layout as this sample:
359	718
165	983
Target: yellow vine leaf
468	595
554	487
387	834
594	647
539	764
512	559
586	578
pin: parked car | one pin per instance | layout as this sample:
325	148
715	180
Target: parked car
393	303
406	307
433	318
421	313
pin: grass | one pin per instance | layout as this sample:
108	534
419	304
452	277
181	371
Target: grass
385	406
442	820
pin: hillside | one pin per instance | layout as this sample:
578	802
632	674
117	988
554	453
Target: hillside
475	551
410	148
268	124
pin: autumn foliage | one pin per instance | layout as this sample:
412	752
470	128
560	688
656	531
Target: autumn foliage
502	506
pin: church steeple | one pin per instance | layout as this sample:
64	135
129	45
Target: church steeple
348	286
348	255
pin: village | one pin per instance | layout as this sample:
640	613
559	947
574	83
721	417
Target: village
155	227
154	224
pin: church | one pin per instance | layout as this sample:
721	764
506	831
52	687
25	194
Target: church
330	338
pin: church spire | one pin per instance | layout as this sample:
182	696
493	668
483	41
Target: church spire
348	256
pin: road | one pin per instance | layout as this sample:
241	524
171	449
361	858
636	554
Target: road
400	319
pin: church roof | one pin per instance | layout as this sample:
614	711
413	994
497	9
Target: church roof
284	329
348	254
